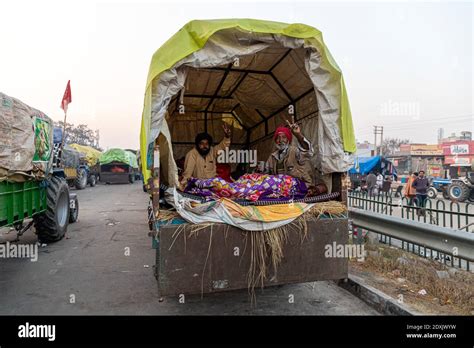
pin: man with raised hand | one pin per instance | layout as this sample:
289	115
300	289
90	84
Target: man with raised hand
200	162
289	159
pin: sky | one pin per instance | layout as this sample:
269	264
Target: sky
408	66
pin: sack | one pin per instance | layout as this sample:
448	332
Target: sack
27	140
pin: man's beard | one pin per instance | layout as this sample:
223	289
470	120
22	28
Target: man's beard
281	147
204	152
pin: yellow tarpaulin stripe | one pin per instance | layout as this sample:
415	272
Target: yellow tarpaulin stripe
266	213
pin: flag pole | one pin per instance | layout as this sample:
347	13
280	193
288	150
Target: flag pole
64	105
64	128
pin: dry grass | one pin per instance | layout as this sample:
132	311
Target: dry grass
457	290
167	215
266	247
332	209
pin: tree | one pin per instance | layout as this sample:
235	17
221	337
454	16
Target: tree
392	145
80	134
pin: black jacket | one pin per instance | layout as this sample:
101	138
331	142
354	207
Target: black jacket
421	185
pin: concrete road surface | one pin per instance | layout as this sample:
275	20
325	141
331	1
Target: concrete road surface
88	272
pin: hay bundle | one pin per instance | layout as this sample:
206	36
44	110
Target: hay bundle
167	215
266	247
333	209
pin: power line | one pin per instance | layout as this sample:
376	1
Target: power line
442	118
445	117
456	119
411	125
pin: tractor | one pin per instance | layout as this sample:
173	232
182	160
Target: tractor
462	189
77	171
438	185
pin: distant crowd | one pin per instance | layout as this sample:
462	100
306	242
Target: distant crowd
415	189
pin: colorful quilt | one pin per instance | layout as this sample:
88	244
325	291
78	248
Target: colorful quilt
251	187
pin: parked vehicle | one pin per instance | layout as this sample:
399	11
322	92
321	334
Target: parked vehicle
118	166
90	160
77	171
31	188
204	261
462	189
439	186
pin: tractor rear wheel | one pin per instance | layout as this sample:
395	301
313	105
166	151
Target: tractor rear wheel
52	224
458	191
92	180
81	180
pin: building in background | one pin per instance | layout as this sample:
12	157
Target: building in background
450	158
416	157
365	149
458	156
464	135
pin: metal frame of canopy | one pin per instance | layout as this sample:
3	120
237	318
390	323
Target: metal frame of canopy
244	74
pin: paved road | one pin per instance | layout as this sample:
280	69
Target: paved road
90	267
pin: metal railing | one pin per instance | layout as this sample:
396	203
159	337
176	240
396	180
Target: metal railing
458	219
458	216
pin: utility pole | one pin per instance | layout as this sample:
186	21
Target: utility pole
378	130
97	136
381	139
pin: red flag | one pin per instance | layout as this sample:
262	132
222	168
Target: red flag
67	98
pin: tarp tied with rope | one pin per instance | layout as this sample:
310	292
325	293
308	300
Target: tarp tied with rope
254	75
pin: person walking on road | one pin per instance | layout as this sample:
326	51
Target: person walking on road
410	191
371	183
421	185
379	181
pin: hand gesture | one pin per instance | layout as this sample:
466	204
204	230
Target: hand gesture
227	131
295	128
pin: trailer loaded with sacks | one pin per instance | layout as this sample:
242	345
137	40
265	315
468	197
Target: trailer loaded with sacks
32	191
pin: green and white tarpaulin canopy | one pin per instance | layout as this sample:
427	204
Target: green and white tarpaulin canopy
119	155
253	72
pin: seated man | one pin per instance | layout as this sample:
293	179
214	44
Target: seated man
200	162
289	159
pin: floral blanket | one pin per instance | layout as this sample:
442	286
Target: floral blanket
251	187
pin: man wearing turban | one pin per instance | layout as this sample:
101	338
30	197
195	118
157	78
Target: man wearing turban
200	162
289	159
